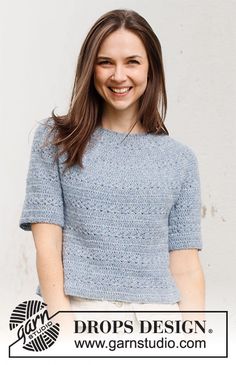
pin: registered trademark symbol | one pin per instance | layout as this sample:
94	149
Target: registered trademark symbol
210	330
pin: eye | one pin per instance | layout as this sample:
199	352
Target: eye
106	62
103	63
134	61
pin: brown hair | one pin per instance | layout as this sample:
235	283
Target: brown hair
74	129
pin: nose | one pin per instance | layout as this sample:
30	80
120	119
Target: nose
119	74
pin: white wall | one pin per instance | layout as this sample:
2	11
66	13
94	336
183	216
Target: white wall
40	41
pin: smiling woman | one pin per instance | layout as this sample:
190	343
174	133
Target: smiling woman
112	200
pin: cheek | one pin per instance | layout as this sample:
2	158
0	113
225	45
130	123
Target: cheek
100	76
140	77
141	82
97	78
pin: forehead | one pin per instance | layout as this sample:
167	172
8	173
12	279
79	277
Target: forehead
122	42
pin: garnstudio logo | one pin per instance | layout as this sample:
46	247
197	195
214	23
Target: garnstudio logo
33	325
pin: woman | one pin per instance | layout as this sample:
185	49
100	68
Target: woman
115	216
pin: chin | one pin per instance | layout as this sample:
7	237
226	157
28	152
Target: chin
125	107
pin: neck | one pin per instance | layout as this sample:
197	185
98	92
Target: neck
121	121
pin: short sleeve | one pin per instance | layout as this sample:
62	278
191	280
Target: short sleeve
185	216
43	201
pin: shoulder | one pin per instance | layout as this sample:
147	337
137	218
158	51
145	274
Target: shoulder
177	151
42	144
43	134
43	128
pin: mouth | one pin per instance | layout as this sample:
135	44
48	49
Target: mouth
120	91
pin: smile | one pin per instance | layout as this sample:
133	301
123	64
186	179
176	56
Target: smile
120	91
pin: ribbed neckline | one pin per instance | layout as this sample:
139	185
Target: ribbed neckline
110	132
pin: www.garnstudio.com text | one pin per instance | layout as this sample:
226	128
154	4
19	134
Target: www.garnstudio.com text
161	343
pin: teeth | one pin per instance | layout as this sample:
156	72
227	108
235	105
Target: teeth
120	91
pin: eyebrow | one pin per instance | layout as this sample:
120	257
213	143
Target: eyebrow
108	58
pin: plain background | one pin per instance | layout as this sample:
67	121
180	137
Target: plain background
40	42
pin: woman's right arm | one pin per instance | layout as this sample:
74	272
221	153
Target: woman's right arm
48	243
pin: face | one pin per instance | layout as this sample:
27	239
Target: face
121	70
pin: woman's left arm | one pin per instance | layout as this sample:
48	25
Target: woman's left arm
186	269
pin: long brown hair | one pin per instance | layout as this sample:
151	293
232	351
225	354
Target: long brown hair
73	130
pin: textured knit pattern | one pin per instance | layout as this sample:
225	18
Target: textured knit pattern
136	199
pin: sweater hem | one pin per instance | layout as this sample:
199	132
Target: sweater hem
121	296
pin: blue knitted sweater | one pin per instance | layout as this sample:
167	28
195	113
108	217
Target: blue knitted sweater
136	199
